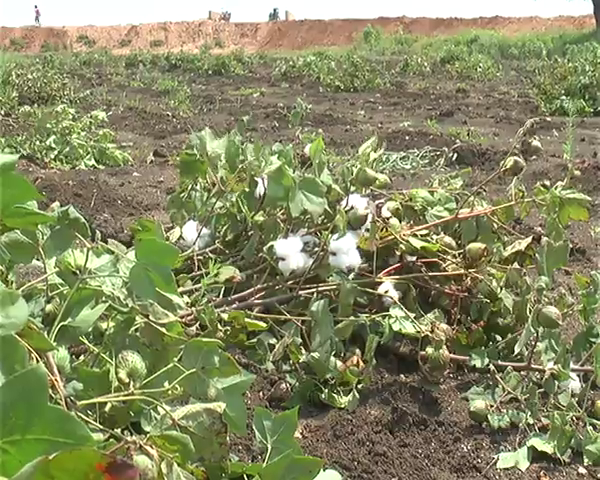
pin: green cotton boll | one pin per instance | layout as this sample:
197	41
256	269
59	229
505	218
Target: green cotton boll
130	367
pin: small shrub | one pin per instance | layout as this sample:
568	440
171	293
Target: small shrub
63	138
86	41
157	43
18	44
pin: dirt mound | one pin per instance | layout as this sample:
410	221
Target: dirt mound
292	35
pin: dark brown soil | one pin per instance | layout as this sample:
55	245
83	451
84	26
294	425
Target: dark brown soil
400	430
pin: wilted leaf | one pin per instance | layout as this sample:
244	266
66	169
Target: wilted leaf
520	458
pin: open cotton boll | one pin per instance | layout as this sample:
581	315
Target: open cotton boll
357	202
298	262
389	293
285	247
343	251
190	237
261	187
291	257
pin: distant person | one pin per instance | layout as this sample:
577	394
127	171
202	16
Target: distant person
37	16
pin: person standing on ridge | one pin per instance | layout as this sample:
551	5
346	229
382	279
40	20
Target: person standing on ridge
37	16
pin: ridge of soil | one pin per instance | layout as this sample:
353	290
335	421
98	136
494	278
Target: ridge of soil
282	35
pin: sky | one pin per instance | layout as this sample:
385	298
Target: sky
16	13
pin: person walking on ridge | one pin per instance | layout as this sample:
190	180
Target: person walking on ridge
37	16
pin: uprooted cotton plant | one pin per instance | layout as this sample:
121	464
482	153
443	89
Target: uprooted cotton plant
298	279
437	265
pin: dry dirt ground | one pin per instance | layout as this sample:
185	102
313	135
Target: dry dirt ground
401	430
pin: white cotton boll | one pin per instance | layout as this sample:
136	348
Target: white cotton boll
357	202
285	247
389	293
307	149
345	243
343	251
345	261
574	384
298	262
190	237
261	187
291	257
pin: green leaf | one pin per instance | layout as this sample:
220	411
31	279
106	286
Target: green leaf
552	256
591	452
8	162
36	339
16	248
16	190
76	464
154	283
69	224
292	467
478	358
540	443
13	357
518	246
403	322
152	251
175	443
172	471
218	377
279	182
525	336
26	436
83	322
95	382
26	217
226	273
275	433
308	195
13	311
232	393
145	228
204	424
520	458
321	331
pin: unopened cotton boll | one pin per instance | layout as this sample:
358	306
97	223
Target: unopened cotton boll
389	293
261	186
343	251
190	237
